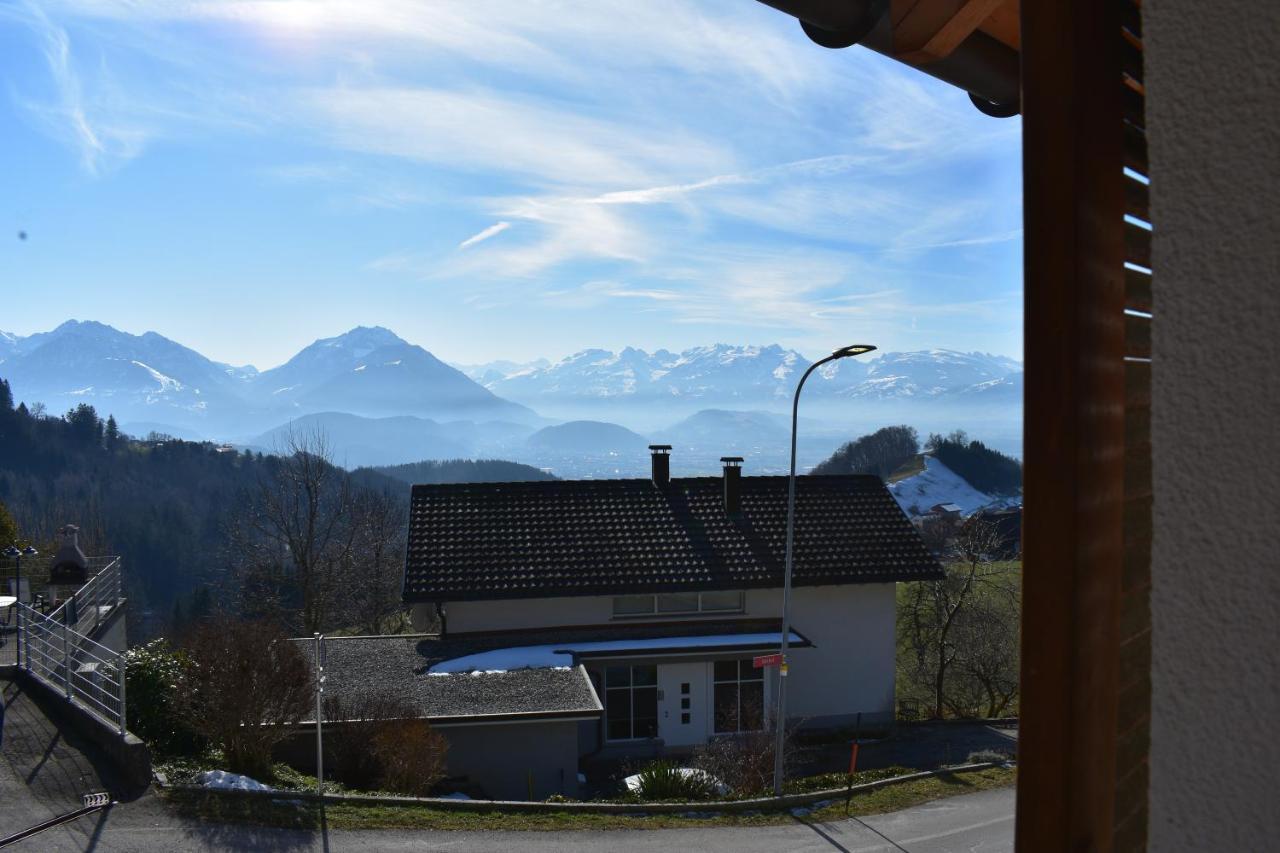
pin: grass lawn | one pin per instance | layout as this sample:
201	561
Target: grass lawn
307	815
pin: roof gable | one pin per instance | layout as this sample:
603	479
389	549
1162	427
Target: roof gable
474	541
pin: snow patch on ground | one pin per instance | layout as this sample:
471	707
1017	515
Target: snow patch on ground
937	484
223	780
561	656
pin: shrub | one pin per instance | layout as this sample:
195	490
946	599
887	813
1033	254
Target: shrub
664	781
246	684
155	675
984	755
744	761
353	723
410	755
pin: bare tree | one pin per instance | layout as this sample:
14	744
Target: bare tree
378	526
962	622
244	687
312	549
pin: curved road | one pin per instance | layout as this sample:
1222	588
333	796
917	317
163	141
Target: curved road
981	822
45	768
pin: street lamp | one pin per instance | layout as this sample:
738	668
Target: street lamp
17	555
780	715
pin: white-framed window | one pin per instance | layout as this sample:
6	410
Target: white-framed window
676	603
631	701
738	699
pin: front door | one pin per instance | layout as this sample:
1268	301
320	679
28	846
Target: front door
682	706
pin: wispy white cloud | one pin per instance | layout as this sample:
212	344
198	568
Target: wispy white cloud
480	237
68	113
525	137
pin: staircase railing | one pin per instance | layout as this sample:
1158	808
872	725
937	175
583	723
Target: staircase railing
66	660
94	601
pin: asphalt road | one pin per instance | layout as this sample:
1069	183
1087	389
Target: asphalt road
980	823
45	769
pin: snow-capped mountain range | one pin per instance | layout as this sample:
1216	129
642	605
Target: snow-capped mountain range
752	375
149	378
385	399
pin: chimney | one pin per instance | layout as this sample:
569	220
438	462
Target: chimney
732	484
661	464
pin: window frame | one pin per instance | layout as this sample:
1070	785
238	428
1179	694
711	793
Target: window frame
656	611
743	665
630	688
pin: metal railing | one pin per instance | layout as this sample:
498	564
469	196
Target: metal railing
66	660
95	601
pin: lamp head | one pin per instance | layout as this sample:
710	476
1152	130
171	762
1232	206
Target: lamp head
12	551
854	349
29	551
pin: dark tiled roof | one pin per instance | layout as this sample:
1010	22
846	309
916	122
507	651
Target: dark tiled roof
609	537
396	667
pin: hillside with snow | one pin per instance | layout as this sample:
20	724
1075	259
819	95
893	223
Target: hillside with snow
937	484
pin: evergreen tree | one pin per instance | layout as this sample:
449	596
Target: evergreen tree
6	397
86	426
111	433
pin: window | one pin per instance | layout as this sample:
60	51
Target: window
632	605
631	702
739	696
717	601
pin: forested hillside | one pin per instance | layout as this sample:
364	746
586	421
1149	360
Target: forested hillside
985	469
881	453
462	471
887	450
169	507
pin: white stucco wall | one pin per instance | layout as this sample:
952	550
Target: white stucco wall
849	670
1211	76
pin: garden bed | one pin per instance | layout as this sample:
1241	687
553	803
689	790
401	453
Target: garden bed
304	809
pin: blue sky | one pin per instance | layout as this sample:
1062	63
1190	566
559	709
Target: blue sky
493	179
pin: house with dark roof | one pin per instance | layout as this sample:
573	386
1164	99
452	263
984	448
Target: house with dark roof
595	618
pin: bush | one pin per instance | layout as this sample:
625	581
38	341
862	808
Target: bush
155	676
410	756
982	756
744	761
246	684
664	781
353	724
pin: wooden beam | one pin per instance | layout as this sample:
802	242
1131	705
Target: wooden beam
1074	446
929	31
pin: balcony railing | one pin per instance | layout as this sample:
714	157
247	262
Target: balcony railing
86	672
92	603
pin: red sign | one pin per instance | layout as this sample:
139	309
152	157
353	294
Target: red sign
767	660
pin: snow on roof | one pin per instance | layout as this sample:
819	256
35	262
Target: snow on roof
560	655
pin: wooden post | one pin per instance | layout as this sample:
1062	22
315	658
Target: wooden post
1073	545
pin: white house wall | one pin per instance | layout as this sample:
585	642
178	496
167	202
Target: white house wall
850	670
851	667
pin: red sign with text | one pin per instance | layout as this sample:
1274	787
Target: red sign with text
767	660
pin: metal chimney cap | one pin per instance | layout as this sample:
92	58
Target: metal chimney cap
660	448
732	460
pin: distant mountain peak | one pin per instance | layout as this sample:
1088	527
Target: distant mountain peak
371	337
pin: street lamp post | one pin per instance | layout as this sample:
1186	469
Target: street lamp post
17	555
780	713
